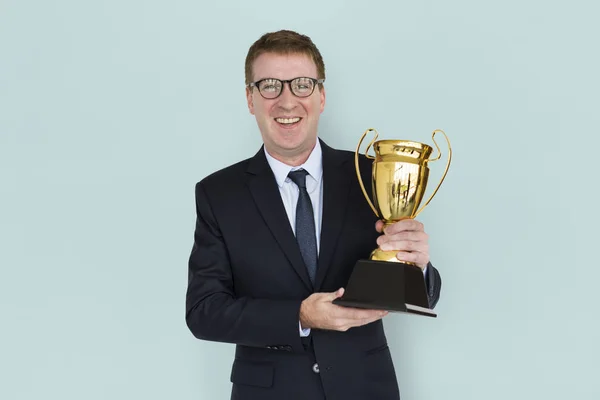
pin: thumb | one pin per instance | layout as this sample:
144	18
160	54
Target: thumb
334	295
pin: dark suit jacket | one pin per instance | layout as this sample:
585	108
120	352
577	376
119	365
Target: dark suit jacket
247	280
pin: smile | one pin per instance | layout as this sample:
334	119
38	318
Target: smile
288	121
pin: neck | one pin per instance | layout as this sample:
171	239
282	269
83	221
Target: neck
292	158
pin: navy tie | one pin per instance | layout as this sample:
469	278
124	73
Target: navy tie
305	224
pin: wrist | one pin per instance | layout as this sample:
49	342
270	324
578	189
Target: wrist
304	320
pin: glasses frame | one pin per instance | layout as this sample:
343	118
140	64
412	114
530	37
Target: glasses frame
289	82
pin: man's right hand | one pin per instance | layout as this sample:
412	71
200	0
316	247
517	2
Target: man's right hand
317	311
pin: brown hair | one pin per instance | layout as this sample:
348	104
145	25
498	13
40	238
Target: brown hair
284	42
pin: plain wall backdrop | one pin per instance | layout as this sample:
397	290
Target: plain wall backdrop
111	111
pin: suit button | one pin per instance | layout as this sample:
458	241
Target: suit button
315	368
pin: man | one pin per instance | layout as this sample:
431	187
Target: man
277	236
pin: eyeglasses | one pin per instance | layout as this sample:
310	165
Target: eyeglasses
271	88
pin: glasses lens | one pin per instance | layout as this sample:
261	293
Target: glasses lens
302	87
270	88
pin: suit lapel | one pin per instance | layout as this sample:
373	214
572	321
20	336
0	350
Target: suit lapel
264	190
336	186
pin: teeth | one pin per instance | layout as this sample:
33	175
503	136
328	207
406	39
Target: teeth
287	120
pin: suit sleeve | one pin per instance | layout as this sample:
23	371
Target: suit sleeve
434	285
214	312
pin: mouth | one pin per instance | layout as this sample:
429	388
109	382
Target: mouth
288	123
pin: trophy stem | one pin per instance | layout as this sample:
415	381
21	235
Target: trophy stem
392	222
389	256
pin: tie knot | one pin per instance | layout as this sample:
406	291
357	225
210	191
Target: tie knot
299	177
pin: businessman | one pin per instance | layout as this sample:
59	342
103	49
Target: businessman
277	236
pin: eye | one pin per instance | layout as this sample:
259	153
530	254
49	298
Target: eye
303	85
270	85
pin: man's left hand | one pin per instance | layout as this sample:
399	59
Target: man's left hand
408	237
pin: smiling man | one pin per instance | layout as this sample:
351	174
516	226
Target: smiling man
276	238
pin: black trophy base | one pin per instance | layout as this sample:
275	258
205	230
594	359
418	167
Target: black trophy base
384	285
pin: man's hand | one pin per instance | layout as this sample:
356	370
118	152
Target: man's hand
408	237
317	311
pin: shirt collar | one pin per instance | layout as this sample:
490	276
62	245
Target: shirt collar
313	165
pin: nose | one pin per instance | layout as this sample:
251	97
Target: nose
287	99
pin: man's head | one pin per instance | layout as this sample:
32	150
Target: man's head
287	113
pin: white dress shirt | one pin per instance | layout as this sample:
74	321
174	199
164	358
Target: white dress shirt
290	192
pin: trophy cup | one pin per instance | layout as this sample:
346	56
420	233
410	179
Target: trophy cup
399	178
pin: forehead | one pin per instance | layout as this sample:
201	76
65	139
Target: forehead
283	66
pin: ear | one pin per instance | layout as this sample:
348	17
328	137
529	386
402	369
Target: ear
322	95
249	100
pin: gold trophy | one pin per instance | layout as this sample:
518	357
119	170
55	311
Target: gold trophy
400	175
399	178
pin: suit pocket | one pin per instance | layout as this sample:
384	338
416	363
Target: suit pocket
377	349
252	373
378	365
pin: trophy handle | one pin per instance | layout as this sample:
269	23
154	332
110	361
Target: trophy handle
360	181
439	154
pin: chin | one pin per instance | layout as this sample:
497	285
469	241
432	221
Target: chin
290	140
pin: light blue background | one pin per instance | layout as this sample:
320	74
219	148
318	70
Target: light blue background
111	111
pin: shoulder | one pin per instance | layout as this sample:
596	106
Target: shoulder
224	178
348	158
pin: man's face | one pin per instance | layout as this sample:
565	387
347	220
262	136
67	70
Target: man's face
288	124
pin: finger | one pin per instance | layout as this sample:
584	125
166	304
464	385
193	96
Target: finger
379	226
334	295
421	259
376	318
404	245
344	324
404	225
366	321
414	236
347	314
